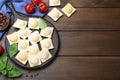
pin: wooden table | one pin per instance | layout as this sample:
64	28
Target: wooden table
90	44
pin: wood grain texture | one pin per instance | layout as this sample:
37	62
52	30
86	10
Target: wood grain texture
92	3
90	19
90	43
77	68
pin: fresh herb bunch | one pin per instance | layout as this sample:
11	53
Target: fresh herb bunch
6	69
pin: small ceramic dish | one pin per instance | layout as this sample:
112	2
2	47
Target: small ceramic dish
4	21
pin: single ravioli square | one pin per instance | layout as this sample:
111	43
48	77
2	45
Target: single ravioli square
68	9
34	37
55	14
21	24
54	2
46	44
23	44
33	49
22	56
13	38
44	55
34	60
24	33
47	32
33	23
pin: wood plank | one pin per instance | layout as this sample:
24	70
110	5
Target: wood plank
92	3
90	19
77	68
97	43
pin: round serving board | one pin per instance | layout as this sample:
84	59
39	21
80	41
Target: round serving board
55	41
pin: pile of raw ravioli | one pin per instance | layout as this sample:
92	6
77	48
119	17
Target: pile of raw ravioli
33	41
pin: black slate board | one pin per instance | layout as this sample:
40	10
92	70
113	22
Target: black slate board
55	40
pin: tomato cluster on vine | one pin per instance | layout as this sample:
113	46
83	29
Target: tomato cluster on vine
30	8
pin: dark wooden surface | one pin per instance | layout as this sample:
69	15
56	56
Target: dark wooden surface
90	44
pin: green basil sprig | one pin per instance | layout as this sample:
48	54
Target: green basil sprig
8	69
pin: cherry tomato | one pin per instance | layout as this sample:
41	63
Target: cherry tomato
1	49
42	6
36	1
30	8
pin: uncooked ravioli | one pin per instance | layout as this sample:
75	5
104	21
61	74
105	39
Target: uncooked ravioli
21	24
68	9
31	53
13	38
24	33
55	14
47	32
22	56
33	60
34	37
33	49
44	55
46	44
23	44
33	23
55	1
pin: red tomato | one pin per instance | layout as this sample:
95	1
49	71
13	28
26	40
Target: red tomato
42	6
30	8
36	1
1	49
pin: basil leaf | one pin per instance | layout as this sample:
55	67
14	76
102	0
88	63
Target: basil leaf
4	72
2	65
13	49
3	61
42	24
8	70
3	57
9	67
14	73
